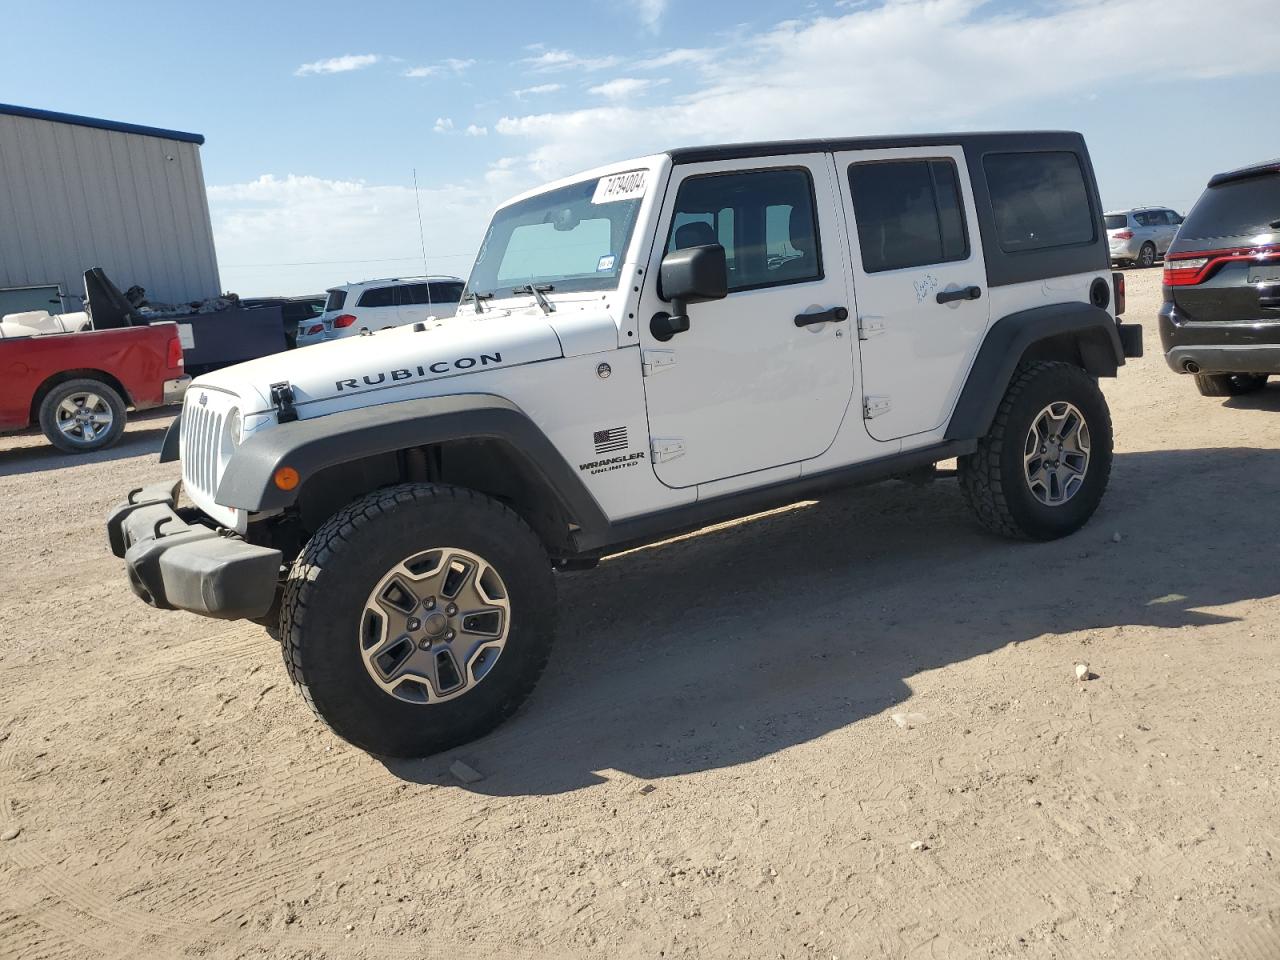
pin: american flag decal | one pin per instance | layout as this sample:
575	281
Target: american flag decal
607	441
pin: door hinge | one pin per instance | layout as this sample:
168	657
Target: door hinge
655	361
663	449
869	327
873	407
282	399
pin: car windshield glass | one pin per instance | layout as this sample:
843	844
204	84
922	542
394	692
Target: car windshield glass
573	238
1115	221
1238	208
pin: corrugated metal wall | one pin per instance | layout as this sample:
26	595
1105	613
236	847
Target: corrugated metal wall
75	197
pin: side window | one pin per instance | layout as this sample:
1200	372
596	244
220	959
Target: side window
1040	200
764	219
378	297
446	291
908	213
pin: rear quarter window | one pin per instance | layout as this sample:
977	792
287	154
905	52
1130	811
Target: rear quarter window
1237	208
337	299
1116	221
1039	199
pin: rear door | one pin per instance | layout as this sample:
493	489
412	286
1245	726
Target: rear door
920	281
753	383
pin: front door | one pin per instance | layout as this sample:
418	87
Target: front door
752	383
920	279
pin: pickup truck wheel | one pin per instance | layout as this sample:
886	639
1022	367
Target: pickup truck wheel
80	416
1040	472
418	618
1229	384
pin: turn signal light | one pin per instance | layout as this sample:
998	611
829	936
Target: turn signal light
345	320
286	478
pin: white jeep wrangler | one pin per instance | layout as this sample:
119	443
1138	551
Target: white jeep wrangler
642	349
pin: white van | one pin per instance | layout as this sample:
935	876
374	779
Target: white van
380	304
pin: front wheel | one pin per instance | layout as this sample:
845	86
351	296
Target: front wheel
1041	470
418	618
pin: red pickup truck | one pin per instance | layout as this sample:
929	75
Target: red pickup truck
78	385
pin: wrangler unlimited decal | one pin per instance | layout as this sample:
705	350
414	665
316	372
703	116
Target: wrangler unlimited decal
422	370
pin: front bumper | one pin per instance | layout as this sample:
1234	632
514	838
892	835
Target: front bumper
176	565
1243	346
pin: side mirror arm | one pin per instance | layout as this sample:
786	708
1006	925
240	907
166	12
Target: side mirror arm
664	325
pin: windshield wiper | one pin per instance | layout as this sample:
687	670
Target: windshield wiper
538	294
478	297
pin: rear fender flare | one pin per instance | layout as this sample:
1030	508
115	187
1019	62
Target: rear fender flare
1078	332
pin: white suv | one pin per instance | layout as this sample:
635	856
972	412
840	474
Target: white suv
380	304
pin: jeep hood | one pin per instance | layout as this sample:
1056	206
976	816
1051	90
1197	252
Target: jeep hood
402	356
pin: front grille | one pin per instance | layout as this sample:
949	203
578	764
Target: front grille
199	442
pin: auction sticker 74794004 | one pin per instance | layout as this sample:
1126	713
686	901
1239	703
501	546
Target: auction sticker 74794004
620	186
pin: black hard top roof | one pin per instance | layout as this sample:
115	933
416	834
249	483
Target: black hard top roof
990	140
1244	173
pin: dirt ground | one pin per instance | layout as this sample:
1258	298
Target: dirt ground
739	739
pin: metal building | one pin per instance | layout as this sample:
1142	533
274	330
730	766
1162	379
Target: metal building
76	193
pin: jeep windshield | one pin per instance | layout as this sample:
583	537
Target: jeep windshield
568	239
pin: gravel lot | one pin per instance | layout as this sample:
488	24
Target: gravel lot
740	737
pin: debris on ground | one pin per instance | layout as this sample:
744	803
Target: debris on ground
1082	672
647	789
918	845
11	833
465	773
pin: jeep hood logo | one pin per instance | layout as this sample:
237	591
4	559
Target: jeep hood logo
421	371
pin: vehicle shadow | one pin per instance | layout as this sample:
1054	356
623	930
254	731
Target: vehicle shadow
1268	398
727	646
143	435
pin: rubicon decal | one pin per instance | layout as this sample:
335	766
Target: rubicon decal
417	372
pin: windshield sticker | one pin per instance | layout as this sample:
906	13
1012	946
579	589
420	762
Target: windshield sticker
606	263
620	186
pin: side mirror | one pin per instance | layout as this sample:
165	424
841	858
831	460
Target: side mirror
691	275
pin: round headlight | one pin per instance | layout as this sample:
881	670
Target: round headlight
235	425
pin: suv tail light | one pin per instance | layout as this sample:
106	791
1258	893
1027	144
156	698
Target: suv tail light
1122	235
345	320
1117	289
314	329
1188	269
174	355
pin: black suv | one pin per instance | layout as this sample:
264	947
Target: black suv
1221	314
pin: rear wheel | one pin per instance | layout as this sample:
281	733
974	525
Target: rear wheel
1041	470
80	416
1147	255
1229	384
418	618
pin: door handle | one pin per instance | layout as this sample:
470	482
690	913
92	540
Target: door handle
964	293
834	315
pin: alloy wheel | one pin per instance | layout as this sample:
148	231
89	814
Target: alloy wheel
1056	453
84	417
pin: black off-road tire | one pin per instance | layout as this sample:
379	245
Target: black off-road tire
993	478
80	387
332	578
1229	384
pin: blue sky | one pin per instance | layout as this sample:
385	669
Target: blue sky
316	114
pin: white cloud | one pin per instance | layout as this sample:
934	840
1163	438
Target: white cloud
623	87
344	64
650	12
450	66
555	60
474	131
674	58
537	90
900	66
341	230
443	125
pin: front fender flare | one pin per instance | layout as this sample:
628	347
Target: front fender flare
311	445
1091	330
